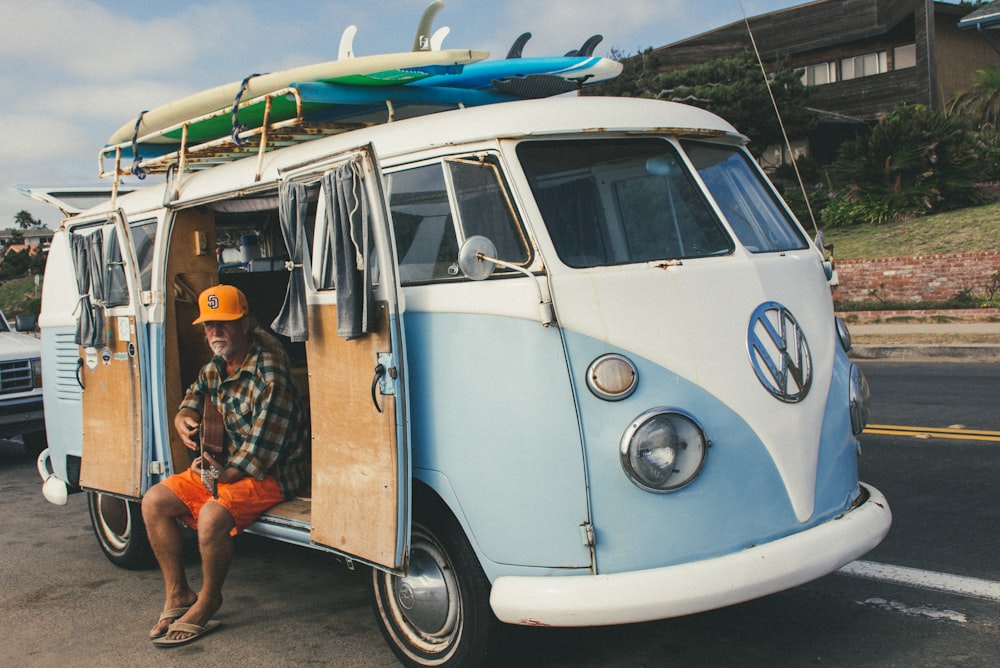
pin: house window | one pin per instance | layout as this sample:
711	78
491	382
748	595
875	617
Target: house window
817	75
904	56
865	65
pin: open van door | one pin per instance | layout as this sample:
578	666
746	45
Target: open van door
361	463
113	357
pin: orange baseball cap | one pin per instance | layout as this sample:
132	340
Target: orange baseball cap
221	302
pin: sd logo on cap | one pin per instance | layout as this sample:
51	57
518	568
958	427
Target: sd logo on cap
221	302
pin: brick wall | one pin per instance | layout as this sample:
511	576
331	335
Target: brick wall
916	278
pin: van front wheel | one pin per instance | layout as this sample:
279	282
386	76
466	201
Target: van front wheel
438	614
120	531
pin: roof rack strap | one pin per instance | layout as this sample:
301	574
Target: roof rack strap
137	170
237	126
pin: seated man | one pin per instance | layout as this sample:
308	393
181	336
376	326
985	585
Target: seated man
267	433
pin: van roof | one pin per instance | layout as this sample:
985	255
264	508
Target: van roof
529	118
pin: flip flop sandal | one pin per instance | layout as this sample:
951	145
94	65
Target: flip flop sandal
172	614
183	627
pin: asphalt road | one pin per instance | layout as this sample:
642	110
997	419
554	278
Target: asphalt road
64	603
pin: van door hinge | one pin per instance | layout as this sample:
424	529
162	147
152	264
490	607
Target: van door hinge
587	534
157	468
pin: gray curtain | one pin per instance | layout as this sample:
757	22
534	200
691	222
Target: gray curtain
349	231
293	207
88	261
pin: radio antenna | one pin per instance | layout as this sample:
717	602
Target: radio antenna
781	123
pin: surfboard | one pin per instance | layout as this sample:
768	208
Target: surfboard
504	76
379	70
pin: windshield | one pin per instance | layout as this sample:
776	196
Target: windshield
619	201
758	219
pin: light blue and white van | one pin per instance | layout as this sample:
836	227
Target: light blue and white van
569	362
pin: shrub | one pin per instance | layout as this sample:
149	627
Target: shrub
912	162
844	210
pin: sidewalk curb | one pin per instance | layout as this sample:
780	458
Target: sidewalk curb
973	352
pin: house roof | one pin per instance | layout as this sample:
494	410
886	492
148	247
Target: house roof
987	16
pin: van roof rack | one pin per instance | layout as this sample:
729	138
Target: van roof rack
194	156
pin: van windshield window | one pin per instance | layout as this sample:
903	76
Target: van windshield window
758	219
620	201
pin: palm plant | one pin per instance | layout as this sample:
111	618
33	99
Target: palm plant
982	100
914	161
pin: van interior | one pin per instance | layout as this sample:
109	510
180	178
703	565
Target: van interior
235	242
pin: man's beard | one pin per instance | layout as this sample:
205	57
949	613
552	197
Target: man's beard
221	347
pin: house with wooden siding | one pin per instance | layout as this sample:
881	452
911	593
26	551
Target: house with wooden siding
860	57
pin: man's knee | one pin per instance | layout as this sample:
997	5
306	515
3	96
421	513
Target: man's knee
214	520
160	500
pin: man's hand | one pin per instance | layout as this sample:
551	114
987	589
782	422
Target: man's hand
212	473
187	423
209	471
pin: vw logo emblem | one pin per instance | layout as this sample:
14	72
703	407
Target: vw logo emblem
779	352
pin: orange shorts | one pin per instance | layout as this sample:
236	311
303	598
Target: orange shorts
245	499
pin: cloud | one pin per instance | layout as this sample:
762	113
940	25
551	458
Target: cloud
87	42
20	134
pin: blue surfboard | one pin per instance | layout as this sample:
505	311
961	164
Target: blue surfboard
574	71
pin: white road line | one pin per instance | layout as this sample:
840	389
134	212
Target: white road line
914	577
916	611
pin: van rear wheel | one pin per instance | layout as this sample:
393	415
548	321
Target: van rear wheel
438	614
120	531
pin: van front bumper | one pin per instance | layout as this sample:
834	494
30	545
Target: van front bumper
684	589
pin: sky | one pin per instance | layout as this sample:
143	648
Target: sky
76	70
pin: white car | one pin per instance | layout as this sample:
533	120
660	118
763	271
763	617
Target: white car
21	410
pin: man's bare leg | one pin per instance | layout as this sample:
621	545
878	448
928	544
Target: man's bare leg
160	510
216	546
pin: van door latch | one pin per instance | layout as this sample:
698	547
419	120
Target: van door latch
383	368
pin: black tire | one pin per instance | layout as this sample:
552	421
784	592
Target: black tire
34	442
439	613
120	531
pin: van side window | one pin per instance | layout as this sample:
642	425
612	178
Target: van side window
620	201
485	208
437	206
115	286
143	238
426	240
748	203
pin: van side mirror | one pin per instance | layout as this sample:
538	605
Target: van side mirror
25	322
476	258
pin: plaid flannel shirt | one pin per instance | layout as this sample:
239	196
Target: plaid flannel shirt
266	425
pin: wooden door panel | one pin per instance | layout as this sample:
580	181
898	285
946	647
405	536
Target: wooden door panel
354	467
112	413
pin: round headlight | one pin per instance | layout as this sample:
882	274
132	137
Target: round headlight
612	377
663	450
860	400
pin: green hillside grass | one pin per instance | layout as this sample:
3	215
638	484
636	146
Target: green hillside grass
963	231
18	295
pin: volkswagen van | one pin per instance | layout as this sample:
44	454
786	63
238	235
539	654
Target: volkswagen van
568	362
